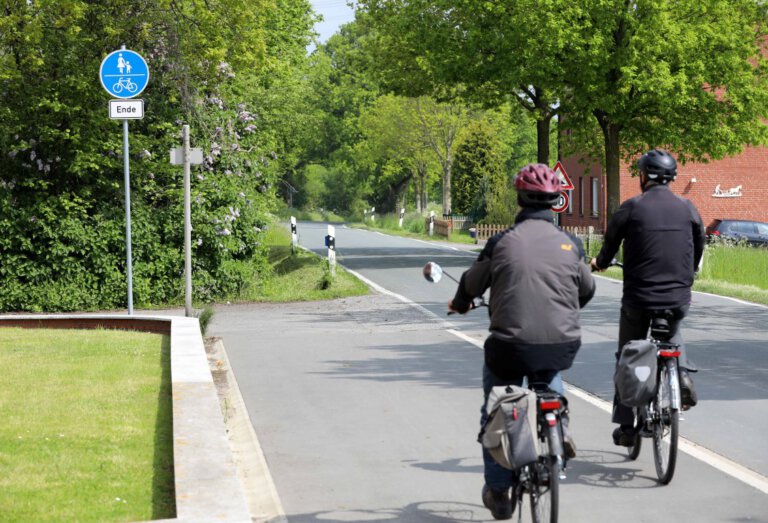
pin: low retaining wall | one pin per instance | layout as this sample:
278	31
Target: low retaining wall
205	476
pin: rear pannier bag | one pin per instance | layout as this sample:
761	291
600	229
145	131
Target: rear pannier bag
509	431
635	375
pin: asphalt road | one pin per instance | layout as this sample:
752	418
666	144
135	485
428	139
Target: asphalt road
366	408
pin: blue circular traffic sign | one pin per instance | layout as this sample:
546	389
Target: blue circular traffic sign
124	73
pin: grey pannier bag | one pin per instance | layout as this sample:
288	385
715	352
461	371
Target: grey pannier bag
635	375
509	431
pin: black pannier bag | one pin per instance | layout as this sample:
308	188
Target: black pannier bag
635	375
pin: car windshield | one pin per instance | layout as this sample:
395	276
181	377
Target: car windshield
762	228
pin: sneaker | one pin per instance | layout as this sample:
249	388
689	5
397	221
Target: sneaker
569	446
687	392
624	436
498	502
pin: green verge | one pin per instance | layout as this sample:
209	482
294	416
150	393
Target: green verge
729	270
87	431
300	275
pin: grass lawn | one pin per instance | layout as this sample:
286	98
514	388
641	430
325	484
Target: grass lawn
86	432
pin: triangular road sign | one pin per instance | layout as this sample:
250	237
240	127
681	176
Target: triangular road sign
564	180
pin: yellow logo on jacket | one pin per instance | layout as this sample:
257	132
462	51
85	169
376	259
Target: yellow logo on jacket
566	246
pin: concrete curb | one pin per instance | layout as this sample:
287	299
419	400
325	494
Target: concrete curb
207	486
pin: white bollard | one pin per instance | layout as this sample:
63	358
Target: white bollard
431	222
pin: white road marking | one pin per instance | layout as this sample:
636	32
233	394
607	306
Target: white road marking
710	457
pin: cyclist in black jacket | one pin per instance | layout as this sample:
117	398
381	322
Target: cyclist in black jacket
538	281
663	239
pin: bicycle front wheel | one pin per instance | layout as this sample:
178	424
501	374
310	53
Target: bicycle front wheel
665	424
545	491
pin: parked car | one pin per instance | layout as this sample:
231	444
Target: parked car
754	233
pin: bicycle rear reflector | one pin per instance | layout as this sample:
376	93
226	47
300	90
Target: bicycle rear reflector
550	404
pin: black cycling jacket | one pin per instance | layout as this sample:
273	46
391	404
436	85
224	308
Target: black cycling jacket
663	243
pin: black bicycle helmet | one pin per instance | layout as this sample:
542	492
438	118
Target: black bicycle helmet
537	185
658	165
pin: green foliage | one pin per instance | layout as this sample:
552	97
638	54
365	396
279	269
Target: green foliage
204	317
231	69
688	75
479	170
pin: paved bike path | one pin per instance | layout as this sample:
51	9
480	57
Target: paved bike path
366	409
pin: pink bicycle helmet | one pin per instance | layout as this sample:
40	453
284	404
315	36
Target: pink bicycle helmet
537	184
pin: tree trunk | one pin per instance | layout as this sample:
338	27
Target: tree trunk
447	186
542	140
612	163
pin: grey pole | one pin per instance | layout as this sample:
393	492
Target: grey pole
128	256
187	225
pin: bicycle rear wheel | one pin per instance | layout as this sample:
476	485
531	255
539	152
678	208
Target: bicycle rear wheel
545	488
665	424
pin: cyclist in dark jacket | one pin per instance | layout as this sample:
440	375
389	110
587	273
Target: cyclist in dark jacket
663	239
538	281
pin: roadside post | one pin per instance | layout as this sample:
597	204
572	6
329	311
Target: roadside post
186	156
124	74
431	222
294	235
373	214
402	214
330	242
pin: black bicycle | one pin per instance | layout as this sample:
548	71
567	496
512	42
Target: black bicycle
660	418
539	480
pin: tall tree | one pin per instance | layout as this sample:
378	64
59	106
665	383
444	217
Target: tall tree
688	75
492	52
60	181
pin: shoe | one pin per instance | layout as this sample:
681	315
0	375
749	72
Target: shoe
498	502
624	436
569	446
687	392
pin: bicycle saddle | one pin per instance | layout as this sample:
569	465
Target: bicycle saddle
660	324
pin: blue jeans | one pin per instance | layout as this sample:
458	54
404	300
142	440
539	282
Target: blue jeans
496	476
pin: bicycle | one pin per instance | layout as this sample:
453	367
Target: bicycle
124	83
660	418
540	479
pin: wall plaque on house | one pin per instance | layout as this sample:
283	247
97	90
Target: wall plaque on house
733	192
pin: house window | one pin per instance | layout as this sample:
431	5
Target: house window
569	209
581	196
595	196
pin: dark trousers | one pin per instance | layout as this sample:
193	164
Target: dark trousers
634	325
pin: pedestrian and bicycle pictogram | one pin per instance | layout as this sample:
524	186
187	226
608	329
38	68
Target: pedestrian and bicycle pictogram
124	73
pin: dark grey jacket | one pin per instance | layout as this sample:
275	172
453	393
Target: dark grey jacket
538	281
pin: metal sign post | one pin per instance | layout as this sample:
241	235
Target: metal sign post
186	157
124	74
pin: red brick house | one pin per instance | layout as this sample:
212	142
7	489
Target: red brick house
735	187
